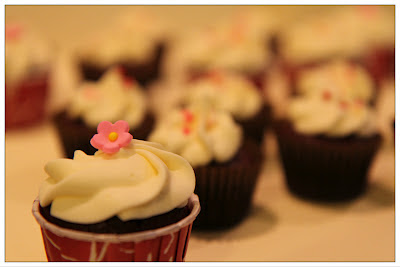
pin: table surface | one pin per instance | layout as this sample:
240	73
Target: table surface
280	227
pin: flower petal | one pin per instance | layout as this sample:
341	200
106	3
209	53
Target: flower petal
124	139
98	141
105	127
110	147
121	126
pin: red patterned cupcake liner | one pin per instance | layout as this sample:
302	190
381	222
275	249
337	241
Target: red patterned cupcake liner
25	102
167	243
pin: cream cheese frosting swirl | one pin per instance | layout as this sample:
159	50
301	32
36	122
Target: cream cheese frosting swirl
134	37
346	31
112	98
199	134
235	44
334	102
226	91
141	180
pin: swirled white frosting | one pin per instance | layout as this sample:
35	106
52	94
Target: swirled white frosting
199	134
239	43
226	91
346	80
112	98
133	37
140	181
334	102
26	53
348	32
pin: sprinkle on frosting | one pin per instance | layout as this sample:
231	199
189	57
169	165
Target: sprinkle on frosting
199	134
333	101
227	91
111	137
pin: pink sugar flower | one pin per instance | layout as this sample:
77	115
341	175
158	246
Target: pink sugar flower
111	137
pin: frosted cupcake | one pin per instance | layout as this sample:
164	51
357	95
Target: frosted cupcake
114	97
240	43
363	34
330	136
130	201
223	162
136	41
233	93
27	71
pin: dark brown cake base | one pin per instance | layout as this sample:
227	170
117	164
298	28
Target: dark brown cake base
325	169
75	134
115	226
226	189
144	73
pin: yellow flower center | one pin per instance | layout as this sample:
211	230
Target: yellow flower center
112	136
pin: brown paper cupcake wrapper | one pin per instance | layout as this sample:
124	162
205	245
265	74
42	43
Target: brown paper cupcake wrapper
254	127
75	135
226	190
168	243
325	169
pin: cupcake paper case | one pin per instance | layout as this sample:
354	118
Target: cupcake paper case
113	97
226	166
117	181
28	65
330	136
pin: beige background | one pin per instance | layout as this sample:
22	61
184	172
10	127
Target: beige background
280	226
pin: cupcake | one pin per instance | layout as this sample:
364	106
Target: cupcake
330	136
137	42
240	43
114	97
234	94
362	34
130	201
225	164
27	71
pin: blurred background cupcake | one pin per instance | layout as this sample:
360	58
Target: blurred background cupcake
28	66
114	97
226	165
137	41
330	135
231	92
363	34
241	43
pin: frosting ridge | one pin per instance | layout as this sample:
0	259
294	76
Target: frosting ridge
139	181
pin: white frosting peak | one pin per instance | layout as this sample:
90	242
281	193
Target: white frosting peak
239	43
25	54
334	101
112	98
226	91
140	181
199	135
